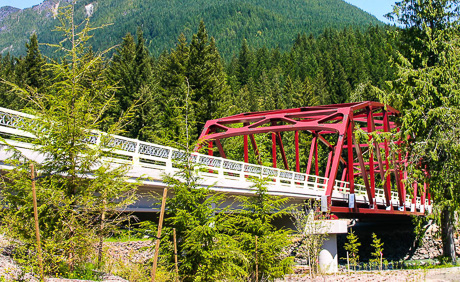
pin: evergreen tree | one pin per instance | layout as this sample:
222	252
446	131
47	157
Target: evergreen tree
377	254
245	64
131	69
31	68
426	92
173	93
352	247
7	73
255	218
207	78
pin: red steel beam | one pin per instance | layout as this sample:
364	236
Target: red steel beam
297	153
335	166
312	151
371	155
256	150
351	177
336	209
221	150
331	120
364	172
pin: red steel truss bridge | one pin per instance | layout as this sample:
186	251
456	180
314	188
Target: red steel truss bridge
350	177
370	178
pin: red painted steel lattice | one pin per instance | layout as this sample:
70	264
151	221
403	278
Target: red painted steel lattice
355	161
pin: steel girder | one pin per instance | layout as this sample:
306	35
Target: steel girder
333	126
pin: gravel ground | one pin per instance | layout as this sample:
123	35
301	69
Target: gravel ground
429	275
10	271
135	251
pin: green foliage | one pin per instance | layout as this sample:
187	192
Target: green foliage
426	92
255	218
310	223
352	247
377	254
131	70
206	252
73	210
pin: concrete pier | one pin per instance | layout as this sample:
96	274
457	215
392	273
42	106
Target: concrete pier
328	258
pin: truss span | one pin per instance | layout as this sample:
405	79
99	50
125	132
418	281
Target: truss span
347	164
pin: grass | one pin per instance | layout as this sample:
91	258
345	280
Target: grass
86	272
127	236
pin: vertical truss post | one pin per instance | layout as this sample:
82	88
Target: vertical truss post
425	188
328	165
414	197
312	151
380	162
246	145
371	154
344	176
386	128
210	150
246	154
297	153
351	176
402	176
274	146
316	155
423	198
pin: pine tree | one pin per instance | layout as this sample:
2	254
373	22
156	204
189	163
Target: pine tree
131	69
245	64
32	66
377	254
207	78
352	247
255	217
173	94
426	92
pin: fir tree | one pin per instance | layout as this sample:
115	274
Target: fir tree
428	97
377	254
352	247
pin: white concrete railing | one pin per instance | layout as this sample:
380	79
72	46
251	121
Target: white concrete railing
158	157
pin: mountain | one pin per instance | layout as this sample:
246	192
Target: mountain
261	22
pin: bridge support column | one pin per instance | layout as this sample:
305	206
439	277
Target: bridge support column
328	257
328	260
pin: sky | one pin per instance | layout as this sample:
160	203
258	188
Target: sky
377	8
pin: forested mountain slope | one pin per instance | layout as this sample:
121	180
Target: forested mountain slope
262	22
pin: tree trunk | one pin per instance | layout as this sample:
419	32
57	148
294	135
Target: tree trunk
101	236
448	243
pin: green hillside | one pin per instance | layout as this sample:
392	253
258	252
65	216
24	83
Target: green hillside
261	22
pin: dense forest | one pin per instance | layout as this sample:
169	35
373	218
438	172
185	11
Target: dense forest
336	67
261	22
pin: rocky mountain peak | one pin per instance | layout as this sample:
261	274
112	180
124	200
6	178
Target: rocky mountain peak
6	11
